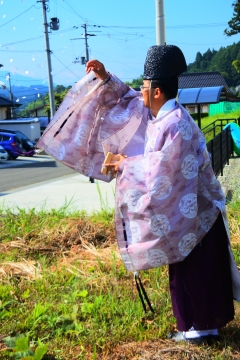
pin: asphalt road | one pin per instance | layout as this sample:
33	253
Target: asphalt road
27	171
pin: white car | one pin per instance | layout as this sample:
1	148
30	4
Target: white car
3	154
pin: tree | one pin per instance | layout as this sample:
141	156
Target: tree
59	89
198	59
221	61
236	64
136	83
58	99
234	23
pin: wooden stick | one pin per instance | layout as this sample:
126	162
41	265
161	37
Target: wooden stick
110	158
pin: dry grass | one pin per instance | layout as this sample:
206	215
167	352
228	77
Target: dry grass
27	268
79	245
234	225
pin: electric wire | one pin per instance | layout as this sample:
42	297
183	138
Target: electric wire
21	41
64	65
17	16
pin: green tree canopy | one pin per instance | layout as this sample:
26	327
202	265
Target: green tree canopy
136	83
234	23
59	93
221	60
236	64
60	88
58	99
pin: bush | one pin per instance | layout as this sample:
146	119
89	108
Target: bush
195	115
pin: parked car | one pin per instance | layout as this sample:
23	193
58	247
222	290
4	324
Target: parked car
27	144
12	144
3	154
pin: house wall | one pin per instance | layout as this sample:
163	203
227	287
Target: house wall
3	113
192	109
31	128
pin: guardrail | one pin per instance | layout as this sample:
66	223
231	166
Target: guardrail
221	144
221	149
214	124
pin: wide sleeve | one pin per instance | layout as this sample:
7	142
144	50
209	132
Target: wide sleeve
158	220
91	112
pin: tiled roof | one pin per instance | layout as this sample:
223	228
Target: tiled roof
5	102
203	79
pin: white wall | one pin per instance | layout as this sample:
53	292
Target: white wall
3	113
30	128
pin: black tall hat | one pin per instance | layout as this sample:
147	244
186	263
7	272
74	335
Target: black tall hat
164	61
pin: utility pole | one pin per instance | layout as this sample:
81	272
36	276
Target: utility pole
10	87
10	91
84	59
48	52
86	43
160	23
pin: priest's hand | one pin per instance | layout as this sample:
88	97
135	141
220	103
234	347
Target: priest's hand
113	166
98	68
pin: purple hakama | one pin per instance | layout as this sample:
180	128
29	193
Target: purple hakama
201	285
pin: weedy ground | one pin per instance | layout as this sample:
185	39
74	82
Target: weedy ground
207	122
64	293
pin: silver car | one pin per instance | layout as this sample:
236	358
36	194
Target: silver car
3	154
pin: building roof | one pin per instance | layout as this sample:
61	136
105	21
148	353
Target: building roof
203	95
7	103
202	79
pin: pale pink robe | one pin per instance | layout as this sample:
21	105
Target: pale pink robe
167	196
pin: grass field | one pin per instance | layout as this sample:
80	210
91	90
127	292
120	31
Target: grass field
209	119
64	293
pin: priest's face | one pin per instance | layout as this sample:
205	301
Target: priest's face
153	98
145	90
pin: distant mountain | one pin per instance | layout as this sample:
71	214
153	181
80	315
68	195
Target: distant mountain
24	88
17	78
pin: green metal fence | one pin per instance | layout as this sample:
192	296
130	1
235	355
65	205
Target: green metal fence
223	107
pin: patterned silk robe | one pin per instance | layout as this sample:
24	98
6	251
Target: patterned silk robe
167	196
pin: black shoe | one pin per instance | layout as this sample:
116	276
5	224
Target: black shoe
179	336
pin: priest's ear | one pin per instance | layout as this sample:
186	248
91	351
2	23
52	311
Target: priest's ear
158	94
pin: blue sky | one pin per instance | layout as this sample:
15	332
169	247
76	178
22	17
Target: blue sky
125	30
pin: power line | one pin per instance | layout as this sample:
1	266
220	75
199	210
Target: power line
169	27
18	16
24	51
21	41
119	62
64	65
75	11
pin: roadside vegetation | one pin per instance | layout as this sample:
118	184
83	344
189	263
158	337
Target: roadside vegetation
64	293
210	119
207	125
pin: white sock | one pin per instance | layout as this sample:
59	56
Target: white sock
191	333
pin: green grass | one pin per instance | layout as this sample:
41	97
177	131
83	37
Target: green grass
209	119
76	300
89	304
